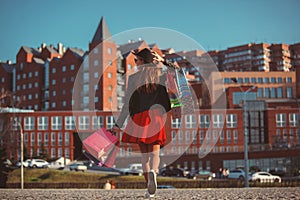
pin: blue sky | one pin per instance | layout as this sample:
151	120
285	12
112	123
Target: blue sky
214	24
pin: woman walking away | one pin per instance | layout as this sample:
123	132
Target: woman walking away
147	104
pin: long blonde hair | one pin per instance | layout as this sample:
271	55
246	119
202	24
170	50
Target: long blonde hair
149	78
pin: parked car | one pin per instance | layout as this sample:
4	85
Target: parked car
265	177
203	174
78	167
26	163
179	172
38	163
238	174
7	163
165	187
132	169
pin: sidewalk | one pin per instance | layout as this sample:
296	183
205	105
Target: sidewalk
209	194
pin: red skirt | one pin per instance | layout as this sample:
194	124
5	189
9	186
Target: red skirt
146	127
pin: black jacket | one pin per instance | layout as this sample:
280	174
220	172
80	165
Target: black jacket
136	102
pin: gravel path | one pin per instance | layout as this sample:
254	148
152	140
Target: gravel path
211	194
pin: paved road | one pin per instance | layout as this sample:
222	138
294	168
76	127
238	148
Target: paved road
182	194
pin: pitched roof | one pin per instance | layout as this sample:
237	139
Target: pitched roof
31	50
51	50
102	32
7	67
127	48
77	52
38	61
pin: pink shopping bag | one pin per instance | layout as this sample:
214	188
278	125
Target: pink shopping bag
99	143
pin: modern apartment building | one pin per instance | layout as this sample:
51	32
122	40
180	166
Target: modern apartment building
257	57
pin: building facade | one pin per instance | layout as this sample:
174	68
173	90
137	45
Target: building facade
75	92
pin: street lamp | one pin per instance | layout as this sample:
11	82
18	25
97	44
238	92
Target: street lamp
246	160
22	152
245	108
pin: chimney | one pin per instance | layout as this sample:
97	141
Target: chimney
8	62
43	45
60	48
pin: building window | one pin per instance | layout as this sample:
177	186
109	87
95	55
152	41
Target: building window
53	139
253	80
280	120
53	81
53	70
56	122
222	137
273	92
43	123
190	121
86	77
176	123
60	139
32	138
53	153
207	135
266	80
289	92
95	50
72	67
187	137
279	93
231	120
64	68
194	133
59	151
39	139
109	50
259	80
69	122
29	123
97	122
180	137
204	121
67	153
215	136
235	136
279	80
228	135
289	80
46	139
201	137
266	93
110	122
96	63
67	138
109	75
293	119
218	121
84	122
173	137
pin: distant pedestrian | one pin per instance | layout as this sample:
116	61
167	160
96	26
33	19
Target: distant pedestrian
107	185
225	173
220	173
112	183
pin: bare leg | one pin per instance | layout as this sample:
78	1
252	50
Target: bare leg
145	160
154	157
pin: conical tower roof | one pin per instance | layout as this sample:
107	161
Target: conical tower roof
102	32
